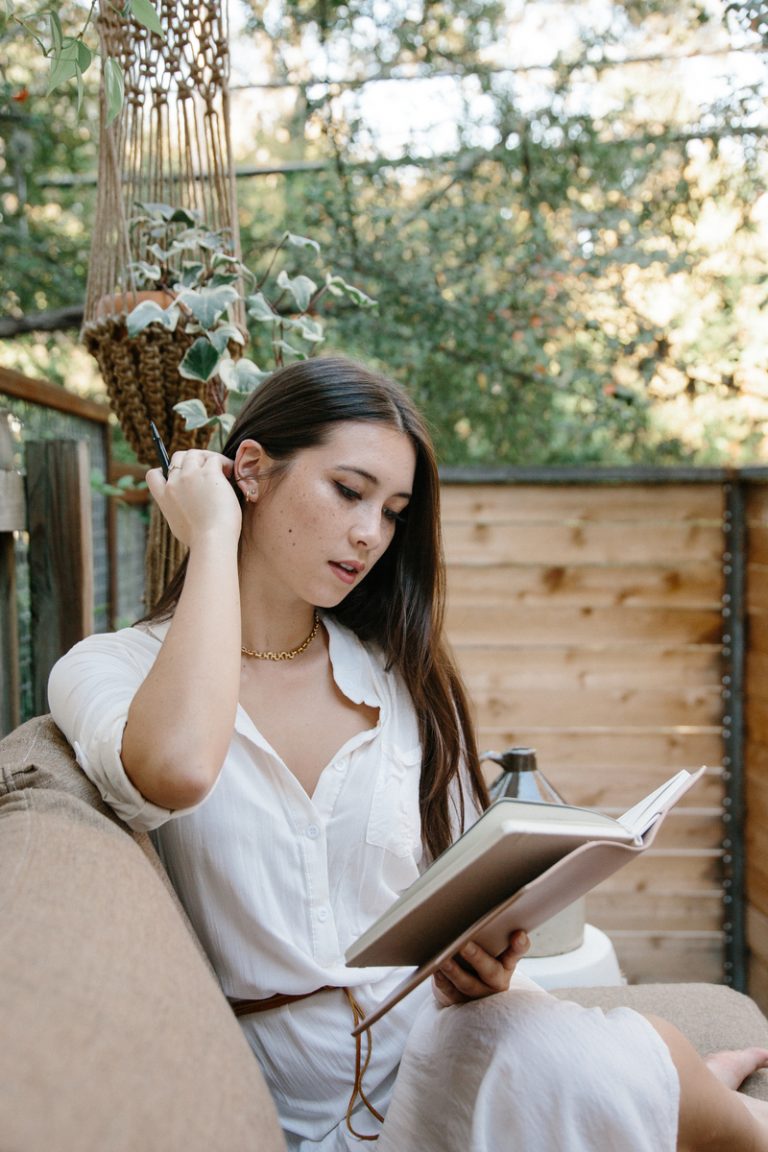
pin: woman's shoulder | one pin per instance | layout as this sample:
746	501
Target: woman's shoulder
135	646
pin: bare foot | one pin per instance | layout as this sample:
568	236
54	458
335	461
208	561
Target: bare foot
732	1068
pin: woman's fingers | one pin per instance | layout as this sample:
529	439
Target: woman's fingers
198	458
518	945
155	482
197	495
480	974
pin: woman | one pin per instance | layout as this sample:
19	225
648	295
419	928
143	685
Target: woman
289	722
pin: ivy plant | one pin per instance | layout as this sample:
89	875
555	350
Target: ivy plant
202	282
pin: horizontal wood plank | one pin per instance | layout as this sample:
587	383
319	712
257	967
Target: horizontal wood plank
48	395
559	626
581	543
600	585
674	958
641	667
665	911
681	871
473	502
620	704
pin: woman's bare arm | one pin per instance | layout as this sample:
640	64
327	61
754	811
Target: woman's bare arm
180	721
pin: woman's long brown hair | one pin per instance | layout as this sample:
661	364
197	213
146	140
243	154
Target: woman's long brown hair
399	605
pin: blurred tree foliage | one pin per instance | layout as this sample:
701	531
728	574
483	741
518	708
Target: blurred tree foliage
44	228
575	272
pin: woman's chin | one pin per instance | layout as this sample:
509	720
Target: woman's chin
331	598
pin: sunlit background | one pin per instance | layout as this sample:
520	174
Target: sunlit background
560	207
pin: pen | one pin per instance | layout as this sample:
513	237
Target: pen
162	453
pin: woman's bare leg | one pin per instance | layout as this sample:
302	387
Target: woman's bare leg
714	1117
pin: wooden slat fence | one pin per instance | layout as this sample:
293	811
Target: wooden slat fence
587	621
63	564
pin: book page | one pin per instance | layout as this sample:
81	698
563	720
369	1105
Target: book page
639	818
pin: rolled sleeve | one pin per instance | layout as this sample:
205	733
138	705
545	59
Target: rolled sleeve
103	766
90	690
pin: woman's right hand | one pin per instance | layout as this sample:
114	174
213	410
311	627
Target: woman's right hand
197	499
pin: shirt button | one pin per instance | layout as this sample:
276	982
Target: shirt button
322	915
313	831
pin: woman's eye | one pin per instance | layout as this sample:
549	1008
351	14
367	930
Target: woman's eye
395	517
347	493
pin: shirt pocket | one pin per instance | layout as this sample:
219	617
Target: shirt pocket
394	822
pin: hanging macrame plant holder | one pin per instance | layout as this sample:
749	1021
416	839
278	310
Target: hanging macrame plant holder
169	145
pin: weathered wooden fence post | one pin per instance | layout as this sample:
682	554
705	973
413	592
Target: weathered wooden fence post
60	553
12	519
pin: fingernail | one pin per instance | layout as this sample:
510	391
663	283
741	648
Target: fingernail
522	944
470	949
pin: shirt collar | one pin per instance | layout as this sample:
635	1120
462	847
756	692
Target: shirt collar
354	669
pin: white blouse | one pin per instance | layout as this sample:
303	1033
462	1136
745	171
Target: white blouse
277	883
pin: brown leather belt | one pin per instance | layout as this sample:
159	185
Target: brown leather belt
246	1007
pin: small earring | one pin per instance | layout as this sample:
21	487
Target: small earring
250	494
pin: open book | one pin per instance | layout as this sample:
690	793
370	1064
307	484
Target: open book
517	866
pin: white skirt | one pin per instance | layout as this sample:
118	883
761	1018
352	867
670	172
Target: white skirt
525	1072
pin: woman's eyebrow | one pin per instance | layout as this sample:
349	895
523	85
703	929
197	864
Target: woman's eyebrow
370	477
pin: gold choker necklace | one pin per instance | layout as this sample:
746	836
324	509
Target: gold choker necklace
293	651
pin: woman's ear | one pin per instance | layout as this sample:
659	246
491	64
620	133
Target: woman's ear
250	461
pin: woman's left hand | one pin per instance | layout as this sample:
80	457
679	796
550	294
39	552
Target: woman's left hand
453	984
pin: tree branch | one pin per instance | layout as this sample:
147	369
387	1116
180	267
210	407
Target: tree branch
54	320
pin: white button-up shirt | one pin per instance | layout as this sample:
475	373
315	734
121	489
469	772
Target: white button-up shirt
277	883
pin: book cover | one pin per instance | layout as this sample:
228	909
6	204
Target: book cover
516	867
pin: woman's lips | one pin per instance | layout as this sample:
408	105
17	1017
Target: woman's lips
346	573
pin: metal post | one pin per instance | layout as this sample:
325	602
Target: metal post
734	649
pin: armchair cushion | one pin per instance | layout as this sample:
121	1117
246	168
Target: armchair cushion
114	1034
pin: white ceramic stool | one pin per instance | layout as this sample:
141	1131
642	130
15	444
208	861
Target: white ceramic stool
593	963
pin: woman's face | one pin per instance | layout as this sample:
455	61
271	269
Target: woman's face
317	529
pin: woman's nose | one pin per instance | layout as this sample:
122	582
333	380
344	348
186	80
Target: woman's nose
367	527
